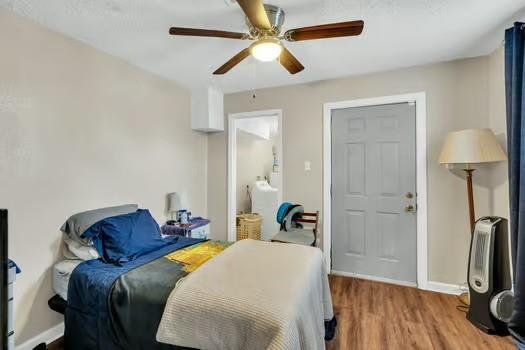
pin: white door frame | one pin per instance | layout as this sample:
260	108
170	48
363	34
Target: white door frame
421	173
232	161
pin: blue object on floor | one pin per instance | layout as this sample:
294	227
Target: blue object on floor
13	264
329	329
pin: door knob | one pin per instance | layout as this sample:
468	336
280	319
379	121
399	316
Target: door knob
410	195
410	209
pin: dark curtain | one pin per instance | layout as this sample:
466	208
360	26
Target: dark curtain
515	93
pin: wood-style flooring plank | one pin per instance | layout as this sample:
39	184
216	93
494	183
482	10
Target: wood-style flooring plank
373	315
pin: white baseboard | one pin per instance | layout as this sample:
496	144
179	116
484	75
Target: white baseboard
47	337
373	278
432	286
446	288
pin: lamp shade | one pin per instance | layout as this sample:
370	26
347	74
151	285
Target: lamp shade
177	201
174	202
471	146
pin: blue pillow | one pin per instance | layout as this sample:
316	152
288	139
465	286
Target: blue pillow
123	238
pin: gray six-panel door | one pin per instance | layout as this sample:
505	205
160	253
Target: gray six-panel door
374	191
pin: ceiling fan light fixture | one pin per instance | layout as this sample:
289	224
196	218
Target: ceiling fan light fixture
266	50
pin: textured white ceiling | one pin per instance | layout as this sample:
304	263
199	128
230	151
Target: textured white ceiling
398	33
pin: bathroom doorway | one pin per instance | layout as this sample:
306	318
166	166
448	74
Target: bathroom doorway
254	168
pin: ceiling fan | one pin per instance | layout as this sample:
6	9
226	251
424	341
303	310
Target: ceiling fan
264	23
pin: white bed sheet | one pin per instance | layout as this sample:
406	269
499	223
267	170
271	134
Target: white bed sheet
61	274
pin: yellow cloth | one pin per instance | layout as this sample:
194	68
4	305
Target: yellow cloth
194	256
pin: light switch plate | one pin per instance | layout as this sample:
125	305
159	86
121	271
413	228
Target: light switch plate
307	165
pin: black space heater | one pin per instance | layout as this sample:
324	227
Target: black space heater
489	276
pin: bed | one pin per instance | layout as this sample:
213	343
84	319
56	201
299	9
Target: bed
61	274
120	305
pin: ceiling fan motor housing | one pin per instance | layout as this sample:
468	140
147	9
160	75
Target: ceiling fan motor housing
275	16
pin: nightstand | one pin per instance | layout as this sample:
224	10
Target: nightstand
197	228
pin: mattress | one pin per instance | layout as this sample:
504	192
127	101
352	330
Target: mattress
61	274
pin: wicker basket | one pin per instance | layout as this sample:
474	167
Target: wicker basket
249	226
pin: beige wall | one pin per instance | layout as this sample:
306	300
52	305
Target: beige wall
457	97
498	123
78	130
254	158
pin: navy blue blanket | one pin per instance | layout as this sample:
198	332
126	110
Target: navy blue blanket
88	317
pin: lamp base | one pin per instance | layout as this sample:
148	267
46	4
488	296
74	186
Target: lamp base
470	194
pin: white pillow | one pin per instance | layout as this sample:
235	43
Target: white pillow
75	250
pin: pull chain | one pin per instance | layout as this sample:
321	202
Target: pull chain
254	77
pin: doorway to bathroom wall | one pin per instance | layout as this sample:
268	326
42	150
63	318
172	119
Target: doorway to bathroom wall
254	168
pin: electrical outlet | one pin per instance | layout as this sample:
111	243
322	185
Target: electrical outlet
307	165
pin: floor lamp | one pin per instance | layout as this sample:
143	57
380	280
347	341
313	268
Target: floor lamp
468	147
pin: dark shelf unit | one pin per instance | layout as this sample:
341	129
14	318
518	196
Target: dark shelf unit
3	279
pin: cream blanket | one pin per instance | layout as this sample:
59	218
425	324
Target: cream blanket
254	295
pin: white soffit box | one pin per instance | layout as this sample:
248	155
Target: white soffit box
207	109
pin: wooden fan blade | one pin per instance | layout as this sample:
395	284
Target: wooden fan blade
235	60
288	61
254	10
207	33
332	30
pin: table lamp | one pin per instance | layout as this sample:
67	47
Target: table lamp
174	203
468	147
177	202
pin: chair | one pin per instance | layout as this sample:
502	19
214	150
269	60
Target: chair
302	236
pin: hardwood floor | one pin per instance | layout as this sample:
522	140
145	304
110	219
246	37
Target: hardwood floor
56	345
374	315
377	316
